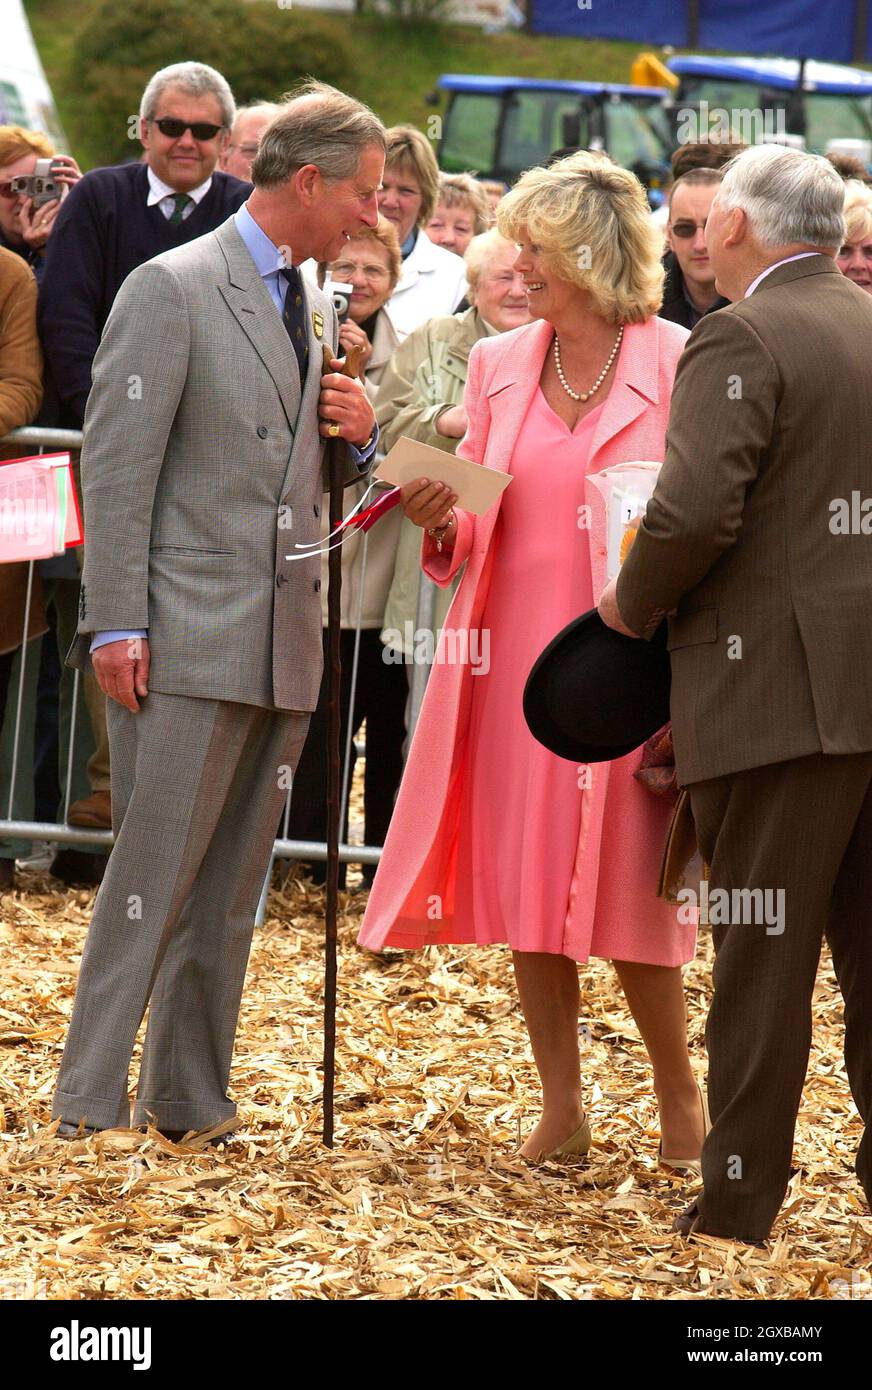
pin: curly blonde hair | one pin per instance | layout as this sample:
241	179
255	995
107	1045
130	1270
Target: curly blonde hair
592	221
858	210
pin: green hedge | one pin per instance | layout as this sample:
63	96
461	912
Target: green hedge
261	49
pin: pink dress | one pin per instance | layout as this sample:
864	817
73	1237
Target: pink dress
522	819
493	838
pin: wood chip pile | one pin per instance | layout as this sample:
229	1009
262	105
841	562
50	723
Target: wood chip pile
424	1195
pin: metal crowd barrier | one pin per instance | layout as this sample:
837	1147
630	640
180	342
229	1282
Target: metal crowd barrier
36	439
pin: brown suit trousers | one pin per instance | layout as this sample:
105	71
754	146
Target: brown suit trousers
801	829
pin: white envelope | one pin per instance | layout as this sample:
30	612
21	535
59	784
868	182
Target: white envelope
477	487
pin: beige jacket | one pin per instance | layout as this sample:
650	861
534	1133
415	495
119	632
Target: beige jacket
426	376
367	560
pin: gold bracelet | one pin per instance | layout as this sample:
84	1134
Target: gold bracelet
438	532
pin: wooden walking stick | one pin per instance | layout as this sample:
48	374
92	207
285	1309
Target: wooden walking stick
336	472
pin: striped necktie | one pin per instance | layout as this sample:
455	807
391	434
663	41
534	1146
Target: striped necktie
294	318
181	201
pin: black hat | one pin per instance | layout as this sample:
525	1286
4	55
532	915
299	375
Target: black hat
594	694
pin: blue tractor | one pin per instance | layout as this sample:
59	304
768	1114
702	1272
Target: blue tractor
500	126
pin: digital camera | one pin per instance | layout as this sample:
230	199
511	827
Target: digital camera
40	186
341	294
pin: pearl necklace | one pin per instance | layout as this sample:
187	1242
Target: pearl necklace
586	395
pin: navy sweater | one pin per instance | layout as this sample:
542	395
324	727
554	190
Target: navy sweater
103	231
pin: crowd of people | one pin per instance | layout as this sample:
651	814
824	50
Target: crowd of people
483	332
406	272
413	311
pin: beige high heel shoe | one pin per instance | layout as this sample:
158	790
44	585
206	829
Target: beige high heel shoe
688	1165
577	1143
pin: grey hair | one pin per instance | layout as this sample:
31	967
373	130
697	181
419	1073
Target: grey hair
788	195
270	108
331	132
197	79
479	251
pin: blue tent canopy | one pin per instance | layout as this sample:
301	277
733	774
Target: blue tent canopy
839	31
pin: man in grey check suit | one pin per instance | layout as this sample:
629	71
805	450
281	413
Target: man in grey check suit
202	472
746	544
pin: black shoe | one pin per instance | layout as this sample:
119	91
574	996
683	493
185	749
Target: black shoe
176	1136
687	1223
78	870
7	875
65	1130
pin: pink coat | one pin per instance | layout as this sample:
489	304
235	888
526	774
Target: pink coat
411	901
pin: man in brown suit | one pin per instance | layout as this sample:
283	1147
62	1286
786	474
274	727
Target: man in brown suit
757	544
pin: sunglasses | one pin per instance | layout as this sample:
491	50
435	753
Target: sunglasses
201	130
7	191
686	228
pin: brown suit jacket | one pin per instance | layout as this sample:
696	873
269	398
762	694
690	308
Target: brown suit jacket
769	446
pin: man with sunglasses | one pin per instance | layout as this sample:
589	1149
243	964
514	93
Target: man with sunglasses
689	291
117	218
112	221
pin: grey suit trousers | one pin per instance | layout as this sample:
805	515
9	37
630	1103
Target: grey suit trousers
197	789
804	828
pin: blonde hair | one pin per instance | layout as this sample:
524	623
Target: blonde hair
16	142
409	149
479	252
858	210
592	221
385	234
463	191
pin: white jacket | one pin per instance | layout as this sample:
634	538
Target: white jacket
432	284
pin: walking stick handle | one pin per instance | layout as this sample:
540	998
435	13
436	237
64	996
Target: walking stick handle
351	365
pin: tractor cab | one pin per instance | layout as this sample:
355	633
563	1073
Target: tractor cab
500	126
822	106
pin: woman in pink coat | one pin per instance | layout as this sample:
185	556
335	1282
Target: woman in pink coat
493	838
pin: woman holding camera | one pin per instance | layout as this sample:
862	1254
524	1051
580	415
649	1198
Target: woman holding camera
24	227
370	263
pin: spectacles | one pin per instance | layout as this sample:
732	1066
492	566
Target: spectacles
343	270
201	130
686	228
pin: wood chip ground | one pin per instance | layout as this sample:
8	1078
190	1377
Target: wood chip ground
424	1195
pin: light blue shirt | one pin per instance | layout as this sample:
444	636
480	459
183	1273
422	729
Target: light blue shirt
269	261
268	258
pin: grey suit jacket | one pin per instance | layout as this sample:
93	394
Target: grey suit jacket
768	440
201	471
